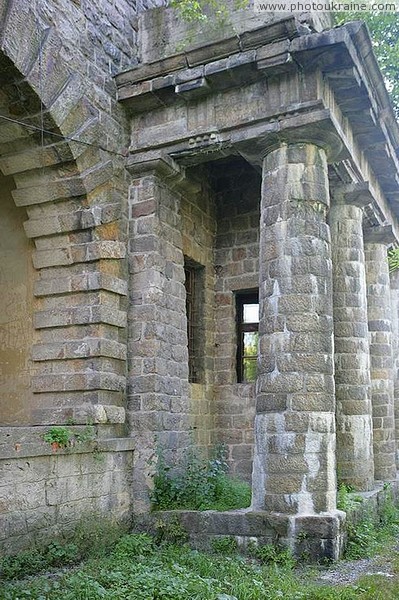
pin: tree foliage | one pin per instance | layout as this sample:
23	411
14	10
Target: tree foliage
205	10
384	31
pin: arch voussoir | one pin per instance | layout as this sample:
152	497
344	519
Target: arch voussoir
64	182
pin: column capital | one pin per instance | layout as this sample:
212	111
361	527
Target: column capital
354	194
164	167
257	141
380	234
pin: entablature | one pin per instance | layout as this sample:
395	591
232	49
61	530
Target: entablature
252	92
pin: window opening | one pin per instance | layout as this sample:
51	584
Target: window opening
247	305
194	320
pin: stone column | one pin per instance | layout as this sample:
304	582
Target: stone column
355	465
394	277
294	462
380	331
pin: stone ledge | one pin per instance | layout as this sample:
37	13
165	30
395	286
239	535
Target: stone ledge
310	537
218	49
313	537
26	442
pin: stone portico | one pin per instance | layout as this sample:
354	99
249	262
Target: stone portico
286	105
261	163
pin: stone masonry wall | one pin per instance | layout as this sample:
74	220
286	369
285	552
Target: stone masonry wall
237	268
158	405
43	495
16	299
198	222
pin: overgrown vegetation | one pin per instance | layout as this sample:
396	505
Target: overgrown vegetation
93	537
206	11
368	533
393	259
138	567
198	483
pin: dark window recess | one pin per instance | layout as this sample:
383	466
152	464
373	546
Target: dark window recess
247	306
193	284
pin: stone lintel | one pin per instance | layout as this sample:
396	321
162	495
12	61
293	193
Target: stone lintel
381	234
308	122
357	194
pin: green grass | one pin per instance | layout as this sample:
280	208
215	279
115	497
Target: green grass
139	568
99	561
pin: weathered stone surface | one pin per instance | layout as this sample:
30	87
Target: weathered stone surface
380	327
294	175
355	466
394	280
106	257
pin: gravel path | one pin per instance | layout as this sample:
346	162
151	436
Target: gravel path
348	572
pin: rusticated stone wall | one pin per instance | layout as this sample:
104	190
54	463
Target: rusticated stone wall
71	198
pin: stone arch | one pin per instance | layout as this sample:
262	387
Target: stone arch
73	204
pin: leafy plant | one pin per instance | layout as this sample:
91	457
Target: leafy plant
346	499
58	435
87	435
25	563
393	259
170	531
92	537
367	535
205	10
362	539
197	483
130	546
225	544
273	554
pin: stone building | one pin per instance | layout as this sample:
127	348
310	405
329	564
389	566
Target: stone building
193	249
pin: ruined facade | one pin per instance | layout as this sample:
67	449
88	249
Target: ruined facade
155	193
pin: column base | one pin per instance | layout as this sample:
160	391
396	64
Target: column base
317	538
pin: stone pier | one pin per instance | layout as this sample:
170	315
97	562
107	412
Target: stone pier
355	466
294	463
380	329
394	277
